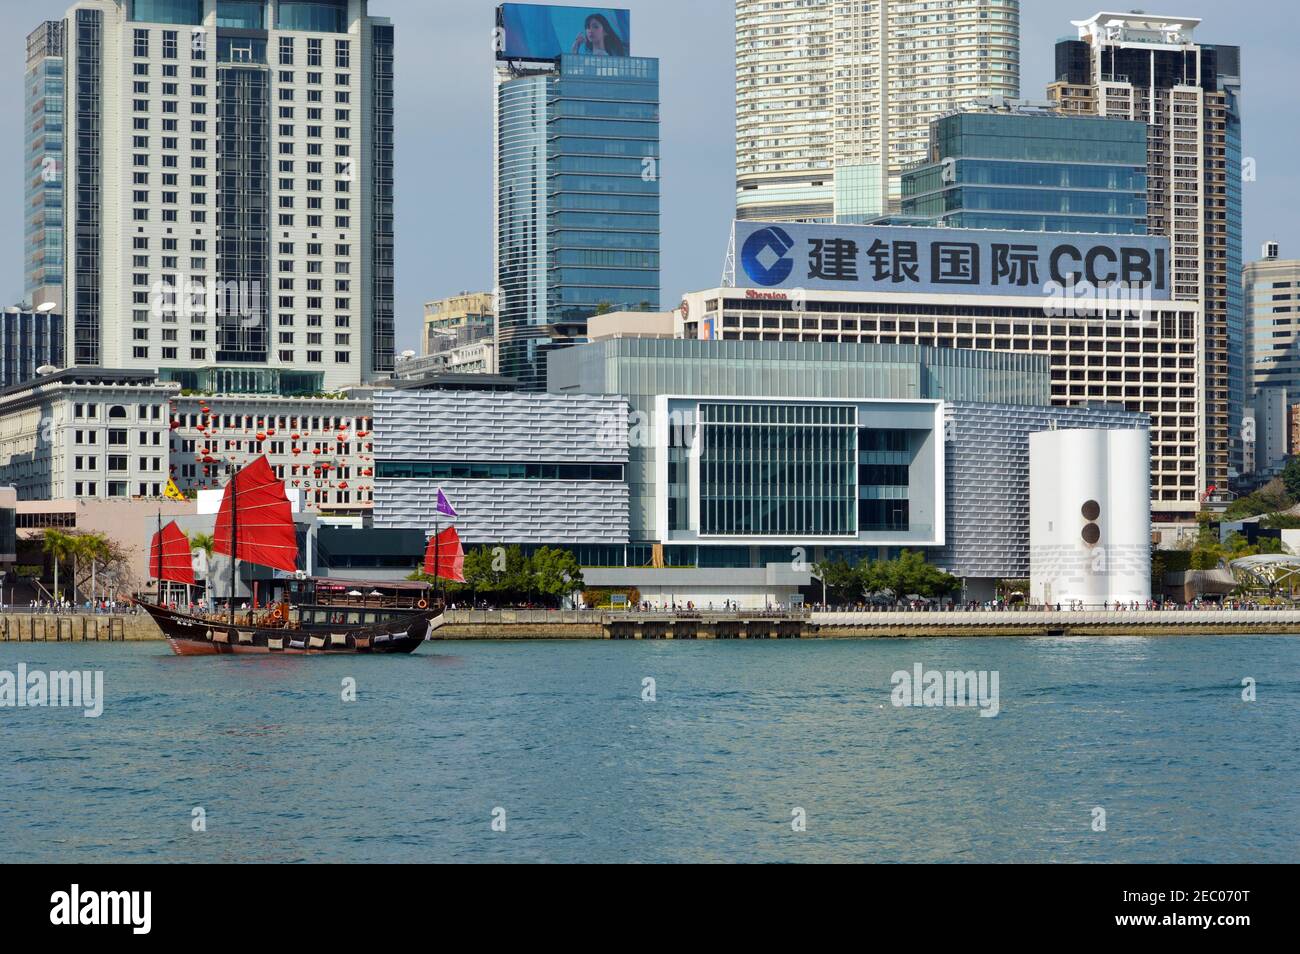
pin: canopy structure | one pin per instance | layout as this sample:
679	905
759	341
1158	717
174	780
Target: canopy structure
1271	571
256	512
444	557
169	556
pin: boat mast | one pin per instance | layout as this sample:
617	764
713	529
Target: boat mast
234	541
160	557
437	560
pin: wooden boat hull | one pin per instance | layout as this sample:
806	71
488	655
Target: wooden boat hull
194	636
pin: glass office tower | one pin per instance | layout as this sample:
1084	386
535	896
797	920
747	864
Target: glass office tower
1033	170
577	203
43	171
1239	394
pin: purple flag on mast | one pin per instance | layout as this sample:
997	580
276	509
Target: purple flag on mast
445	507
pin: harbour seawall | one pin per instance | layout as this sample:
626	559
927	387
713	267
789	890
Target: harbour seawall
543	624
77	627
521	624
574	624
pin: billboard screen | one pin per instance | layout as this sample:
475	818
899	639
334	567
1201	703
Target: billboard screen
970	261
531	31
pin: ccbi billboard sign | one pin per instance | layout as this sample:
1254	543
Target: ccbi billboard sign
866	258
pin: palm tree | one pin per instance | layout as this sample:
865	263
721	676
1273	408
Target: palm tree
206	543
59	546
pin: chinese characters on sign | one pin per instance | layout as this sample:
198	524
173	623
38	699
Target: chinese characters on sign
862	258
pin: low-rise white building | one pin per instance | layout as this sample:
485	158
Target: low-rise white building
86	433
319	445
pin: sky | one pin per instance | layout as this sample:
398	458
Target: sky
444	63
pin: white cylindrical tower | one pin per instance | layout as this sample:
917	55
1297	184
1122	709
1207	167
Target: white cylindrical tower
1090	516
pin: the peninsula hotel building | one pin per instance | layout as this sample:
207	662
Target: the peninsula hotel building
236	153
1133	348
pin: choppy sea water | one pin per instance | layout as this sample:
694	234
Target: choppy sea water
739	735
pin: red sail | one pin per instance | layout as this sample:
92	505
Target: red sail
263	521
177	564
445	557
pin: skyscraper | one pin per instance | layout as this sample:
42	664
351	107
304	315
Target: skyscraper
43	169
1025	167
577	179
1271	288
834	97
231	221
1149	68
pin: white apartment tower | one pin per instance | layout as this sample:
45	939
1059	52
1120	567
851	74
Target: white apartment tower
835	97
229	210
1271	288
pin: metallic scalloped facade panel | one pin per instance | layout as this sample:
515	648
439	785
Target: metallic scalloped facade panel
988	481
487	426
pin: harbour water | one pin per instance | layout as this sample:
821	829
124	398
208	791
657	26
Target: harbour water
558	741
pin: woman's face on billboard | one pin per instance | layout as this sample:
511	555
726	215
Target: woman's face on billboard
595	34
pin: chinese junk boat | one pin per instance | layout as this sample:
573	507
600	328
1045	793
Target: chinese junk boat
255	524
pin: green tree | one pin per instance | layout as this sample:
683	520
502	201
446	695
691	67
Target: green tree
907	575
555	573
479	575
1269	545
841	581
208	544
1159	567
59	546
516	580
1291	478
1281	521
1206	556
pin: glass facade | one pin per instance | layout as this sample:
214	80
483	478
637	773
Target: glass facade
87	171
241	14
494	470
1238	360
168	11
29	340
885	456
246	380
1032	172
315	16
859	196
244	209
382	186
577	203
44	173
641	369
778	470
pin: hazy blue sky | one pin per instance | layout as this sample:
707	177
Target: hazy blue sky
444	146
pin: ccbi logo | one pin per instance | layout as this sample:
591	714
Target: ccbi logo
764	256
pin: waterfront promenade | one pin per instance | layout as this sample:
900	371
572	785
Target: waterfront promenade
737	624
811	624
